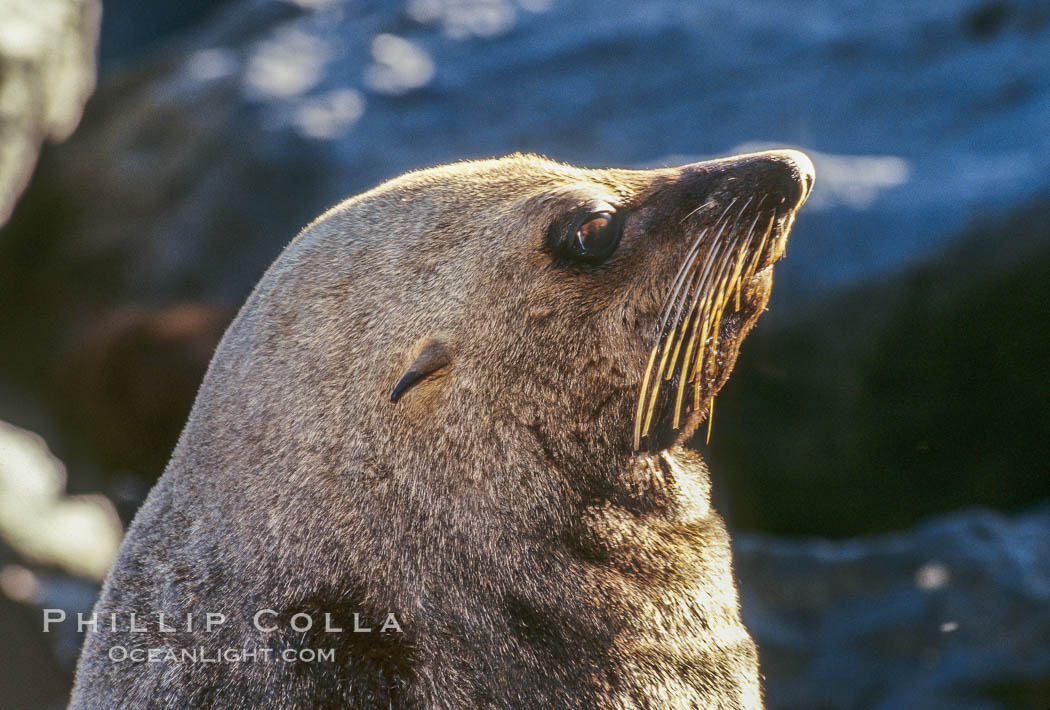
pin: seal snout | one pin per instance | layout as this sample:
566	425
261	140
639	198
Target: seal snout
785	173
725	254
801	167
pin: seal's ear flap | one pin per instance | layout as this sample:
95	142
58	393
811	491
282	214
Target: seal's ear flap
433	357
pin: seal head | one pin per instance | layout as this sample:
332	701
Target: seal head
591	268
463	398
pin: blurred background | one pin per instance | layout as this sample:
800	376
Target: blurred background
881	451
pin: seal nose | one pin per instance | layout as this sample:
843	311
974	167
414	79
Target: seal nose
785	175
801	167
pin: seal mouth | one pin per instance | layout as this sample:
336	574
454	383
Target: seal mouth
721	287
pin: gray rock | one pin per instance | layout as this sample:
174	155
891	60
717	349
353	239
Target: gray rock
954	614
47	72
196	165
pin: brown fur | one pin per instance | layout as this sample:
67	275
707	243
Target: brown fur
534	558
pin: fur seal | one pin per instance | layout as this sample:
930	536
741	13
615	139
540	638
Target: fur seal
461	401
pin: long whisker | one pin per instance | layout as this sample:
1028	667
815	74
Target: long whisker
761	245
694	211
733	239
680	280
744	251
669	305
719	307
713	312
695	314
693	251
723	298
700	311
695	305
677	333
718	247
680	332
723	293
641	398
655	391
692	296
697	288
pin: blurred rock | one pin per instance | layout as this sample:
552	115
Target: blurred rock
36	590
899	398
196	164
132	27
47	71
953	615
54	551
79	534
34	675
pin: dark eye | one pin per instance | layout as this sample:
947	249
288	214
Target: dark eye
596	237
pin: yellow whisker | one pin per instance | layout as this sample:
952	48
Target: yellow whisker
699	333
761	245
698	371
735	280
641	398
714	334
685	365
678	346
653	395
723	297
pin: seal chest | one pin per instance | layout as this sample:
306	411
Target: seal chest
464	399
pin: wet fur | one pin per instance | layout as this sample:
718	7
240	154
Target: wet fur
533	556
